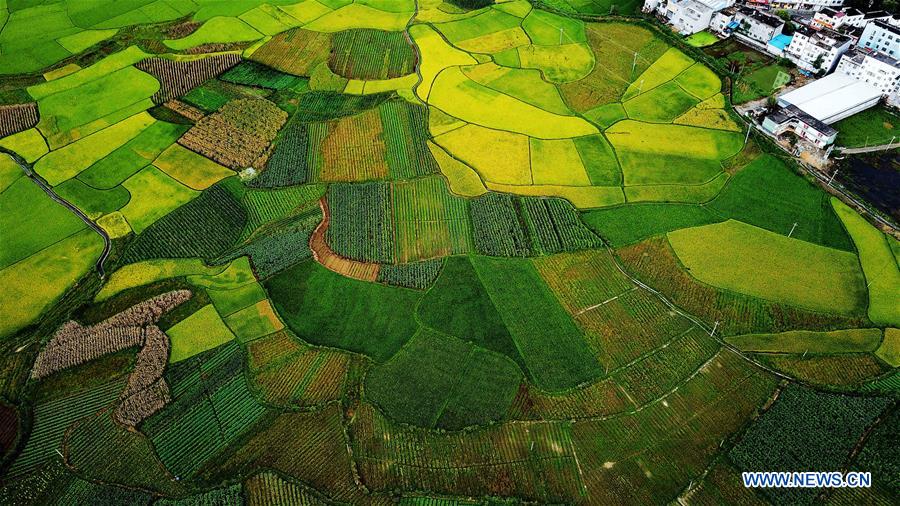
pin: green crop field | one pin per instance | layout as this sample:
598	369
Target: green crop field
422	252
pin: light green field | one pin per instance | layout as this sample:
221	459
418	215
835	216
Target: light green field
459	96
78	42
151	271
557	162
218	277
235	299
701	39
10	172
108	65
560	64
33	284
201	331
436	56
699	81
548	29
487	22
804	341
192	170
463	180
889	351
254	321
682	193
115	225
753	261
878	263
30	220
65	117
357	15
496	155
673	140
523	84
153	195
606	115
29	144
664	69
646	168
218	29
67	162
91	201
662	105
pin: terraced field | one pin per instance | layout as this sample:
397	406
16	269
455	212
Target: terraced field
416	252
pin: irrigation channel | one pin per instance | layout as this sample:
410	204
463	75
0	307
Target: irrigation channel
29	172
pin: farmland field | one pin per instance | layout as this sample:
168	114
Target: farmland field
422	252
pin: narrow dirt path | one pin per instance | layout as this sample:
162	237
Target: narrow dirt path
325	256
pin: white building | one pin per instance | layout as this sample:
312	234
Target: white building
817	50
832	98
800	5
881	36
756	27
808	111
871	67
834	19
687	16
792	119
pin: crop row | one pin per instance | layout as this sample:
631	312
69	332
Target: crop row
238	134
204	227
420	275
17	117
289	163
371	55
361	225
405	136
178	77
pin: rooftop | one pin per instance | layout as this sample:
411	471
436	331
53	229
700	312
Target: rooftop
762	17
781	41
858	54
828	97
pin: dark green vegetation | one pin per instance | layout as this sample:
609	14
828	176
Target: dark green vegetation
439	381
419	275
390	218
254	74
459	305
631	223
531	313
328	309
805	430
204	227
361	225
289	163
766	194
505	225
871	127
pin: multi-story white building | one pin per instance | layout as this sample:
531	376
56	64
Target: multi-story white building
834	19
687	16
817	50
872	67
755	27
800	5
882	36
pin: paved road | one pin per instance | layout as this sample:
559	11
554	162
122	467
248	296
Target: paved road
870	149
29	171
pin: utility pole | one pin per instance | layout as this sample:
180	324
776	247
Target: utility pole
560	35
634	64
715	326
832	177
792	229
749	127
